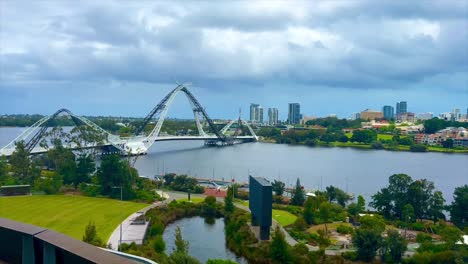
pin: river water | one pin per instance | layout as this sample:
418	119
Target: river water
358	171
206	240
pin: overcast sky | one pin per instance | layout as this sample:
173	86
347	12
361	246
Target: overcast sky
122	57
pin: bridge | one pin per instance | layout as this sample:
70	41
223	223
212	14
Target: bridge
33	136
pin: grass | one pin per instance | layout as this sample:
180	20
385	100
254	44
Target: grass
68	214
330	227
284	218
192	199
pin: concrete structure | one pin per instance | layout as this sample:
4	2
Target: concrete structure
371	114
260	205
456	114
388	112
272	116
294	113
24	243
307	118
355	116
401	107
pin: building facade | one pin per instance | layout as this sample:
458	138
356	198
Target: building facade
256	114
371	114
401	107
294	113
272	116
406	117
388	112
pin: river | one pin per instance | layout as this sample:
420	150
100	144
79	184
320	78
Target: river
358	171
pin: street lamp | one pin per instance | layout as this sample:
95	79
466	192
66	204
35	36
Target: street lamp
121	199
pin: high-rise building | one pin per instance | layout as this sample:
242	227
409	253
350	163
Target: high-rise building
256	113
388	112
253	110
272	116
401	107
456	114
294	113
259	115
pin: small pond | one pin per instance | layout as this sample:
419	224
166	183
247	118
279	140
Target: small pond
206	240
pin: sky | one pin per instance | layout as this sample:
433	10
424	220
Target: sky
333	57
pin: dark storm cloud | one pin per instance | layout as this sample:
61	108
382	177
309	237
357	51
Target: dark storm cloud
237	45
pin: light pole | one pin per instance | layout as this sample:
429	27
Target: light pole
121	199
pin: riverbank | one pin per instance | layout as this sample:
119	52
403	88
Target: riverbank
369	146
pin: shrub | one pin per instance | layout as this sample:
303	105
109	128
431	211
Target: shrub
300	224
417	226
423	237
159	245
344	229
418	148
350	255
377	145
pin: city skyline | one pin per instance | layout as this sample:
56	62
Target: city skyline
121	59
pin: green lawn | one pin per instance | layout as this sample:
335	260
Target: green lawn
285	218
68	214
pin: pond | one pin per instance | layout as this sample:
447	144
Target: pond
206	240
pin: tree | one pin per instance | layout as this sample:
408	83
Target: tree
364	136
90	236
336	194
451	235
228	201
84	168
308	212
368	237
115	172
356	208
390	200
420	197
298	196
393	247
436	206
3	170
209	206
278	187
279	251
459	207
21	164
325	213
180	244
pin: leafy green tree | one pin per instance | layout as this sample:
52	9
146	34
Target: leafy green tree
459	207
336	194
420	196
368	237
115	172
436	206
357	208
393	247
390	200
279	251
278	187
448	143
209	206
21	164
325	212
364	136
451	235
308	212
181	246
90	236
84	168
228	201
298	196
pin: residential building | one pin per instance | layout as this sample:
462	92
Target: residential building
460	142
371	114
388	112
425	116
445	116
456	114
406	117
256	113
294	113
253	110
401	107
272	116
355	116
